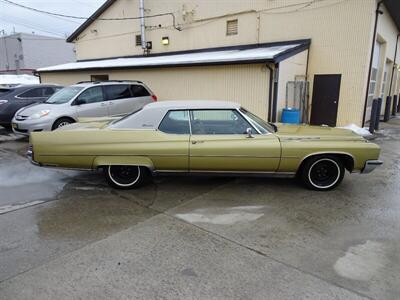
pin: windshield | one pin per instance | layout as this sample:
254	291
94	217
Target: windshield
260	124
64	95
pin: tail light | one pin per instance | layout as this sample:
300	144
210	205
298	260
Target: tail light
154	97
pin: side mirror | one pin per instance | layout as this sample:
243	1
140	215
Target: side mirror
249	133
80	101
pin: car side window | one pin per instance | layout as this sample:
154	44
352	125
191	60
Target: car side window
32	93
175	122
118	91
48	91
218	121
92	95
139	91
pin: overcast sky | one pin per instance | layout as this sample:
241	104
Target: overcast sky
28	21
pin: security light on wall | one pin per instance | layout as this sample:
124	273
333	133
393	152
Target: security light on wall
165	40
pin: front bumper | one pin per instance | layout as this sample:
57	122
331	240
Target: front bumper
27	126
370	165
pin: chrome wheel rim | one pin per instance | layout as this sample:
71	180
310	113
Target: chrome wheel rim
62	124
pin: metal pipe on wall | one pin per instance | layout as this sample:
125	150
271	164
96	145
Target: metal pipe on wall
142	25
377	13
394	64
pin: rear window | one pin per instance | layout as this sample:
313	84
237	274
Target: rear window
115	92
176	122
139	91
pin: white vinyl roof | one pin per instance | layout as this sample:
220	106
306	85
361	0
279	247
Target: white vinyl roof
223	56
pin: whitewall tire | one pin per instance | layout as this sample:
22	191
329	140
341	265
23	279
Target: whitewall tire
125	176
322	173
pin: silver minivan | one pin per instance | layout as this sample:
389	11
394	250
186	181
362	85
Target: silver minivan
82	100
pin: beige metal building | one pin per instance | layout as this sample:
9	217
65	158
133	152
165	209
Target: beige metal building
328	57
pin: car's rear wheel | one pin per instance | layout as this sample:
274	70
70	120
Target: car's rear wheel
322	173
61	123
126	177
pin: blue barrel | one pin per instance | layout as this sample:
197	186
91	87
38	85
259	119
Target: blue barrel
290	115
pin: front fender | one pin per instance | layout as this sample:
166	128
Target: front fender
123	160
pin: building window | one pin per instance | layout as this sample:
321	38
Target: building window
374	74
98	77
138	40
232	27
384	80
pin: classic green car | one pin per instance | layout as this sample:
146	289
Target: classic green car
203	137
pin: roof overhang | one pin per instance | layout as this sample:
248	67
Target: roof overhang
246	54
90	20
393	6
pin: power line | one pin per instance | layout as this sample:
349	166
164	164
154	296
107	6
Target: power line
90	18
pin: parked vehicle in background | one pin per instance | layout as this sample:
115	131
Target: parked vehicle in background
204	137
14	98
82	100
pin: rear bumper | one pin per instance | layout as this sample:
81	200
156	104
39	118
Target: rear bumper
370	165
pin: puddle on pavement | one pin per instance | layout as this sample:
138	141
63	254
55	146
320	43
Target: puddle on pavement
223	215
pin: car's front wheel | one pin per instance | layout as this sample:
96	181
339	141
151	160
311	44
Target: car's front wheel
61	123
126	177
322	173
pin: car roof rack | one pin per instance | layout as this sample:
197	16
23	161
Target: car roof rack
100	81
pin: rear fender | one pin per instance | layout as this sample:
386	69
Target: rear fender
100	161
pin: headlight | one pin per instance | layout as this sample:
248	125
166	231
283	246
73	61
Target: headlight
39	115
3	102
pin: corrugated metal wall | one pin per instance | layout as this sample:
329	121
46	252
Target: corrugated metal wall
244	84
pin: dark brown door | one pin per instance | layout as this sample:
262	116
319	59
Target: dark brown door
325	99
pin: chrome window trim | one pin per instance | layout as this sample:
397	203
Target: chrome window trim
252	121
231	109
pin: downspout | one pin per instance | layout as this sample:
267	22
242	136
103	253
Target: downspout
142	25
377	13
271	77
394	65
275	101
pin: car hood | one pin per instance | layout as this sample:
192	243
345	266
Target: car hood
34	108
286	131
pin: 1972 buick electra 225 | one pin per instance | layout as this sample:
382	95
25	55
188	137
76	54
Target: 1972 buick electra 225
206	137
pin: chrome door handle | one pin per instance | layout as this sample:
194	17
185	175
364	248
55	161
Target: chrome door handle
103	104
197	142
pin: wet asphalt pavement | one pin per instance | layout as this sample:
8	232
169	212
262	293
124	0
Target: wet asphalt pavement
67	235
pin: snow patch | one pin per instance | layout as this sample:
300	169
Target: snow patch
237	55
362	262
9	79
223	216
357	130
21	173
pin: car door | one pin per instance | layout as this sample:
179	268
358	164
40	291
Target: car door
219	143
170	151
91	103
119	99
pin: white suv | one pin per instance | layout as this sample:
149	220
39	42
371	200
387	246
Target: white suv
81	100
